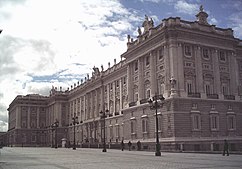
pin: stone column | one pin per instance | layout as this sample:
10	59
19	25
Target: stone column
141	78
153	80
217	81
129	83
199	72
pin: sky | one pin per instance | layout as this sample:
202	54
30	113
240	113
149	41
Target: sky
47	43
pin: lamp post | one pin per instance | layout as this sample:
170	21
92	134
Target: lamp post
56	124
103	115
154	105
74	120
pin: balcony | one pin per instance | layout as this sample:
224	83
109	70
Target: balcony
212	96
196	95
131	104
143	101
229	97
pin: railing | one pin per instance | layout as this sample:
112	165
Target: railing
131	104
143	101
212	96
229	97
196	95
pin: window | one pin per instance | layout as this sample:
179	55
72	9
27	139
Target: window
33	138
222	57
147	62
206	54
161	53
214	122
124	80
117	131
111	86
135	65
194	105
188	50
231	122
144	125
117	83
111	132
136	97
212	106
160	128
225	89
132	126
188	64
148	93
207	89
189	87
206	66
196	122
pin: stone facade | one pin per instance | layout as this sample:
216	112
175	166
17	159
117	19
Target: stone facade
196	66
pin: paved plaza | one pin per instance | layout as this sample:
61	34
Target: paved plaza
63	158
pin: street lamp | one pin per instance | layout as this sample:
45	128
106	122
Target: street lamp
154	105
103	115
56	124
74	120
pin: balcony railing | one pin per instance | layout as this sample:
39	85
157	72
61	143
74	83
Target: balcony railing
131	104
143	101
196	95
229	97
212	96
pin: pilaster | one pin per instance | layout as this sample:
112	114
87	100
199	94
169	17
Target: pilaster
121	94
18	117
153	79
37	125
141	78
199	72
28	118
217	81
233	74
167	71
130	83
108	97
114	97
180	71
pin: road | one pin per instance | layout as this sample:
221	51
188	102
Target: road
63	158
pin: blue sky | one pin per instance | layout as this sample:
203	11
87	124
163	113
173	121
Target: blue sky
57	42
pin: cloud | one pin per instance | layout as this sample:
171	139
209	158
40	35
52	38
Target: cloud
55	42
213	21
236	23
185	7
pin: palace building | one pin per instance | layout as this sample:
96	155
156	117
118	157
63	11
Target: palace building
196	66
